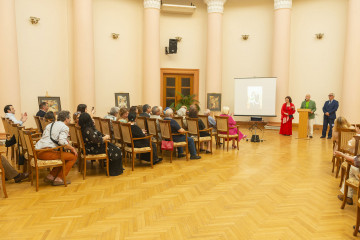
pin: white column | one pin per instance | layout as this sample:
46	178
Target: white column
281	50
350	98
214	46
151	74
9	65
84	73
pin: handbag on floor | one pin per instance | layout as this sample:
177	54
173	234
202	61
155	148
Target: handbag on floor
167	145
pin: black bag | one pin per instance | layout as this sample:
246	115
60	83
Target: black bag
11	142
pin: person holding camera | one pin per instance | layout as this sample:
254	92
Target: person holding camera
287	112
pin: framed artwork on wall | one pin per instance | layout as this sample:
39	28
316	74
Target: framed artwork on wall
214	101
122	100
53	102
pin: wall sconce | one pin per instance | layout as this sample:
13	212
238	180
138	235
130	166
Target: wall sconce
178	39
319	36
245	37
34	20
115	35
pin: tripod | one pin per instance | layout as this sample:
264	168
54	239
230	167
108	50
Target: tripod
255	126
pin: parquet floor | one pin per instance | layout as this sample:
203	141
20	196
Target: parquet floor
282	188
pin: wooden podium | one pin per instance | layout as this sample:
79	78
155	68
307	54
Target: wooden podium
303	123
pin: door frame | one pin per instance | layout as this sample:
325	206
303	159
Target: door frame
180	71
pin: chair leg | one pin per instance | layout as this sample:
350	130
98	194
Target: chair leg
133	161
345	196
187	152
37	180
211	146
227	144
333	162
338	164
84	169
198	153
107	167
64	176
31	176
237	144
3	184
357	220
171	155
152	159
342	173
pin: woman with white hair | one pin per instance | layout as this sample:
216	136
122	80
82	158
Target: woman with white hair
232	125
182	113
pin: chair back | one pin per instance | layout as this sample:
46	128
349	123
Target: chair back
97	123
6	125
38	124
222	123
152	126
357	145
193	126
29	143
73	136
14	131
117	131
126	133
180	121
165	129
22	138
205	120
105	126
80	139
345	135
141	122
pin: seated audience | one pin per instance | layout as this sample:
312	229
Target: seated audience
155	113
193	113
10	114
175	128
146	111
95	144
113	114
182	113
43	108
161	111
140	109
50	116
137	132
340	123
10	172
54	135
81	108
134	109
124	115
212	122
232	125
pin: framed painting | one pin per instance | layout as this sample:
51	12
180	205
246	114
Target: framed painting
214	101
53	102
122	100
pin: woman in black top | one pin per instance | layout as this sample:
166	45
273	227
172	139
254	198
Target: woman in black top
94	144
137	132
193	113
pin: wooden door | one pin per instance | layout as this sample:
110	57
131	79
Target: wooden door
174	84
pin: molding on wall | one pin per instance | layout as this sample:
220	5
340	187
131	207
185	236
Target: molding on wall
215	6
280	4
152	4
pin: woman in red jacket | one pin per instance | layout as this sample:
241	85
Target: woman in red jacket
287	111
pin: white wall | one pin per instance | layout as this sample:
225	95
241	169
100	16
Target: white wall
118	63
43	53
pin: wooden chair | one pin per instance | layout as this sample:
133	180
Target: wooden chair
75	141
97	123
24	150
38	124
106	127
223	131
7	124
129	144
44	123
2	172
193	128
15	148
141	122
180	121
205	120
351	181
357	151
166	135
153	130
345	135
36	164
89	157
117	136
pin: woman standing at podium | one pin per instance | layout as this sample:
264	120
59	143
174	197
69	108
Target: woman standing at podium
287	111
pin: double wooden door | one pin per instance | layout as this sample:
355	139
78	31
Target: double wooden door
175	84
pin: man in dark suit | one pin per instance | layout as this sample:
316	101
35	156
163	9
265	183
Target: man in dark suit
329	109
146	111
43	108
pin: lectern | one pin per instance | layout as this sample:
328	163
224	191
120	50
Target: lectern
303	122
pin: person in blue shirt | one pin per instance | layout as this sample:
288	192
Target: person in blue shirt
329	109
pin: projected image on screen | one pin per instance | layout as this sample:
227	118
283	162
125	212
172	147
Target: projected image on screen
254	97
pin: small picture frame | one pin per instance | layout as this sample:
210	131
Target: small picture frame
214	102
122	100
53	102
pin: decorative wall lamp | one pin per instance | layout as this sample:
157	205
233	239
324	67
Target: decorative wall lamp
178	39
245	37
319	36
115	35
34	20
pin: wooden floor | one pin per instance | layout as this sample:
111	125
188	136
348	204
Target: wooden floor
282	188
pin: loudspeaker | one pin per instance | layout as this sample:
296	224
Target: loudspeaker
172	46
256	119
255	138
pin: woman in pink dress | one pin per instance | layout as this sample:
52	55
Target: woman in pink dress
233	130
287	111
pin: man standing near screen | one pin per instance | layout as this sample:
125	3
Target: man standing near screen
309	104
329	109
